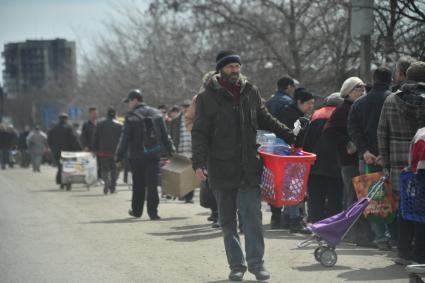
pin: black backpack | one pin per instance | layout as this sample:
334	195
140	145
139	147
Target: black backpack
149	134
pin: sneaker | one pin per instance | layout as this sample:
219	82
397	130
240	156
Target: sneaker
236	275
261	274
189	201
384	245
105	190
156	217
297	226
402	261
131	213
416	268
215	225
275	224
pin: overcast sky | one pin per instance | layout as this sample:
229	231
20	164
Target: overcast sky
78	20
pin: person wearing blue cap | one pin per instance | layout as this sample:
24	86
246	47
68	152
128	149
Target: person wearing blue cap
144	137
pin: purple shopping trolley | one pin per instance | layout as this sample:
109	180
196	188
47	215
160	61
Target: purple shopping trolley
329	232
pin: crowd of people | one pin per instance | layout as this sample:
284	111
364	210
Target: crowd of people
360	129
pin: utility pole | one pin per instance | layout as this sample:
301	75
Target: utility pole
1	104
362	27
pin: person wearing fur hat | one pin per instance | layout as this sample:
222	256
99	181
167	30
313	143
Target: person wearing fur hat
229	111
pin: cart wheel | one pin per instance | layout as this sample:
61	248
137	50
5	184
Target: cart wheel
318	253
415	279
68	186
328	257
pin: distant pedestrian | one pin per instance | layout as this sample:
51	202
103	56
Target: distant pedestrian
37	143
62	138
143	137
182	139
87	131
23	147
106	138
8	140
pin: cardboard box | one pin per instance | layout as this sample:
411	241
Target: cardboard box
178	177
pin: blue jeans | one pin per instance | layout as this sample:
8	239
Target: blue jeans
248	202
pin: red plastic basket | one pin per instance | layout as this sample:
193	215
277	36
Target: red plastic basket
285	174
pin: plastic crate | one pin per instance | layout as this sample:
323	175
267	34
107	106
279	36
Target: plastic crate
412	195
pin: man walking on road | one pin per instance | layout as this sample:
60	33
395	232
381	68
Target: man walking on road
143	136
105	141
37	142
62	138
87	132
229	110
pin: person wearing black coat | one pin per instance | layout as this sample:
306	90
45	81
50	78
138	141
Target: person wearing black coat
302	105
325	183
62	138
105	141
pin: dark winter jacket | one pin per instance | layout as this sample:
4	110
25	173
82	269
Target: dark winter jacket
87	135
336	131
364	117
326	163
403	113
289	115
62	138
224	134
277	103
106	137
131	137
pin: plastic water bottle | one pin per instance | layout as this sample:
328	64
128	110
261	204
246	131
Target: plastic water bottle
265	138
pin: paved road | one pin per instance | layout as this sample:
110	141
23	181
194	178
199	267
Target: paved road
49	235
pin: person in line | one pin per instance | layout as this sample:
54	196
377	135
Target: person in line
275	105
336	131
37	143
229	110
403	113
362	125
401	67
324	183
143	136
302	106
105	141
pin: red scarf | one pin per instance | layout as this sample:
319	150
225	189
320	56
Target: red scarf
233	89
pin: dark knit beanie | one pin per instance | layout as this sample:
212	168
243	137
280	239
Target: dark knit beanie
226	57
302	95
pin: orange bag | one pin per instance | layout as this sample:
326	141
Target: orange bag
383	206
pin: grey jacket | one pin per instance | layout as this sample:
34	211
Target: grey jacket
37	142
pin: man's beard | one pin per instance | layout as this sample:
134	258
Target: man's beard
232	78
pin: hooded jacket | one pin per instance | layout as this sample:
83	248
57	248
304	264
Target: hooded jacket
224	134
403	113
